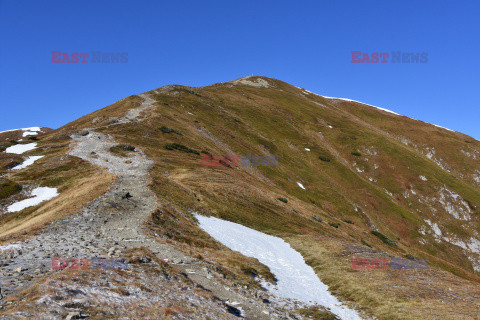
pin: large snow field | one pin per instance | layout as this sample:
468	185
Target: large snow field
296	280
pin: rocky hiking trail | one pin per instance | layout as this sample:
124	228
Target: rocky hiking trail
114	222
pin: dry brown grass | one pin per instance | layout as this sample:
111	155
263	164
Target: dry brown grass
173	310
9	160
77	182
388	294
103	116
69	201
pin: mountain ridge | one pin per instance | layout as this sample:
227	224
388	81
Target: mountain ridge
353	177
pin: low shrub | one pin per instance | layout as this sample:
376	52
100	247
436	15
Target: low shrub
356	154
333	224
180	147
324	159
283	199
165	129
122	149
6	164
384	238
365	243
8	188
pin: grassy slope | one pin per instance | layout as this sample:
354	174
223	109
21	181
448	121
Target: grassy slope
76	180
283	120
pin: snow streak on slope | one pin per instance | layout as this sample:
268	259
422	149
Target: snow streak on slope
350	100
379	108
26	163
40	195
443	127
296	280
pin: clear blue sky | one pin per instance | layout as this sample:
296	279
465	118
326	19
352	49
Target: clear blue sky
196	43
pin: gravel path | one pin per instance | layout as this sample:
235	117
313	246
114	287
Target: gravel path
112	223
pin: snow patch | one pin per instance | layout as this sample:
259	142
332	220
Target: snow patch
476	176
40	194
435	228
29	133
31	129
307	149
301	185
423	178
422	229
21	148
26	163
296	280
